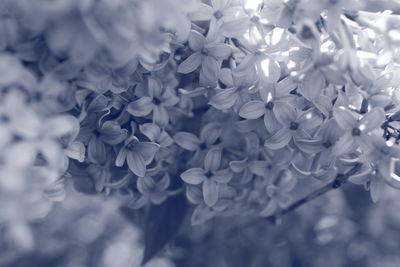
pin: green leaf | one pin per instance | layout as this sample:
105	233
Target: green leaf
162	224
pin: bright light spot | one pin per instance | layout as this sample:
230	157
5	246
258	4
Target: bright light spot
253	5
342	107
309	116
291	64
265	66
394	169
389	143
327	222
269	97
366	55
370	33
275	36
362	127
327	46
353	107
255	35
394	35
246	35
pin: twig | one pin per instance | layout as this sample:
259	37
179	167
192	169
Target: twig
338	182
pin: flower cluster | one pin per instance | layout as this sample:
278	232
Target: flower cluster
229	102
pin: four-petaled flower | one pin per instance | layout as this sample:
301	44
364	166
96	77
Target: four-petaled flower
209	137
211	176
380	167
295	125
137	155
278	193
208	55
356	131
272	98
219	13
154	192
158	101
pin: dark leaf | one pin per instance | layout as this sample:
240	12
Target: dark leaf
162	224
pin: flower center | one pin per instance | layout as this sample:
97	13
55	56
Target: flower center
294	126
269	105
255	19
356	132
327	144
156	101
4	118
306	33
218	14
203	146
96	132
204	51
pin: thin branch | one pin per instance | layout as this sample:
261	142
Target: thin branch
338	182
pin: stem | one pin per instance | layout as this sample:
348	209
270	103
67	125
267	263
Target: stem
338	182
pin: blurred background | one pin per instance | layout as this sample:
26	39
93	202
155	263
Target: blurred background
342	228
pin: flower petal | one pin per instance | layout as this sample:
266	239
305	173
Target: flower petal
187	141
224	98
252	110
96	151
344	118
373	119
112	133
210	192
344	145
220	4
309	146
279	140
147	150
269	69
222	176
238	166
150	130
121	157
136	163
201	214
196	41
212	160
284	112
141	107
210	132
270	121
203	12
236	27
219	51
259	167
210	69
376	188
193	176
160	116
190	64
76	150
165	139
269	209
